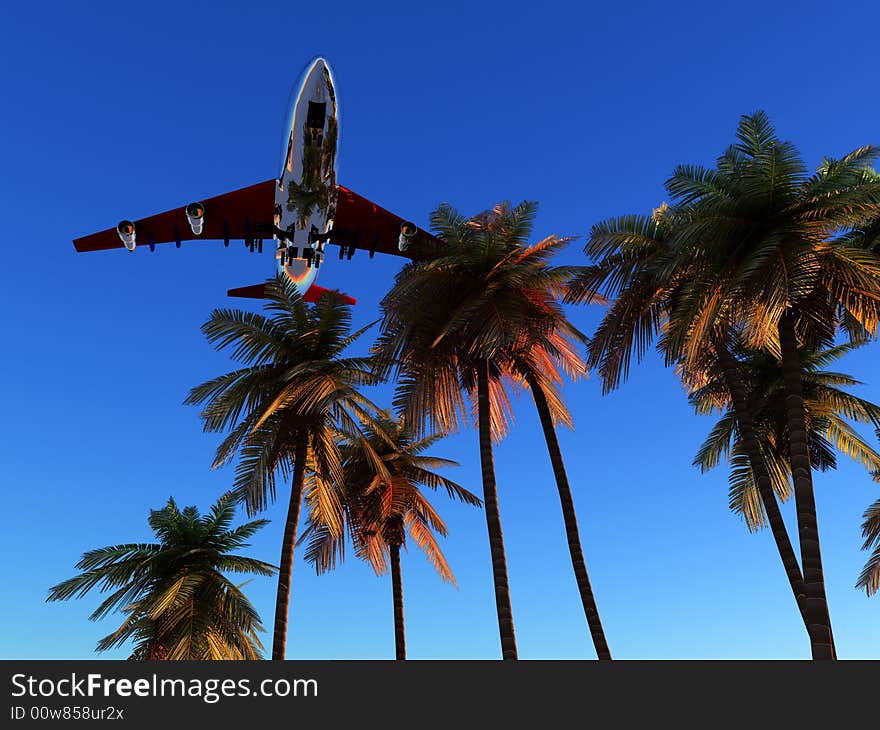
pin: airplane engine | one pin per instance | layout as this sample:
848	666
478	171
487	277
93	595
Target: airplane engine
408	231
195	214
126	232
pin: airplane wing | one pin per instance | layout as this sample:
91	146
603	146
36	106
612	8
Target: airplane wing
242	214
248	214
361	224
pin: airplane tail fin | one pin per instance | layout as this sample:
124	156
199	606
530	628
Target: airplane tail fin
315	291
258	291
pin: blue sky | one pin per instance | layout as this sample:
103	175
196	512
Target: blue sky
121	110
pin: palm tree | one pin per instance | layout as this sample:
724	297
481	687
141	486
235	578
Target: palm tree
285	408
381	508
870	576
538	363
763	400
829	408
758	247
551	410
179	603
868	237
636	266
463	322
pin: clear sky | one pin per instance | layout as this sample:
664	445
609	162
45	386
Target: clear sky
125	109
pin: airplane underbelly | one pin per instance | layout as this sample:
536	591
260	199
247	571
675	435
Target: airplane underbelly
305	195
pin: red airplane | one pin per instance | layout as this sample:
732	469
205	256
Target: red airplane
302	210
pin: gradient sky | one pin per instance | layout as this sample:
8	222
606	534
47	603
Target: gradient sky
125	109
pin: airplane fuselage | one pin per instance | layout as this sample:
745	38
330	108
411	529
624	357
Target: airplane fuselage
305	197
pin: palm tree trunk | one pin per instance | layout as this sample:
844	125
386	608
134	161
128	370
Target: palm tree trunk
591	610
493	517
742	414
282	598
397	590
819	627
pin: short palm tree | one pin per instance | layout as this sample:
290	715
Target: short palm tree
285	408
382	507
757	248
462	323
870	576
829	410
179	603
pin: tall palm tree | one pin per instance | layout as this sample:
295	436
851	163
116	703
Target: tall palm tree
780	261
381	508
285	408
461	323
538	363
635	264
179	603
588	600
758	247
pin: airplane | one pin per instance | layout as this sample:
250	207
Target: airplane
302	210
